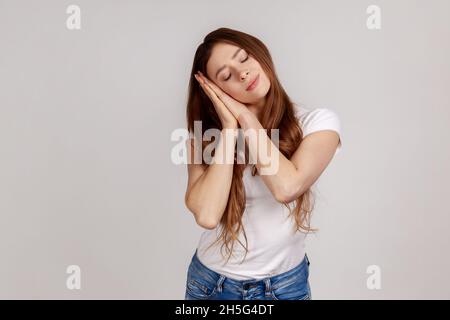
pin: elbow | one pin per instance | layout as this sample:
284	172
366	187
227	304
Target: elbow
206	223
202	217
287	195
282	198
209	218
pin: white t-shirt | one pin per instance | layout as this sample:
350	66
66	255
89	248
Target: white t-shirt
273	246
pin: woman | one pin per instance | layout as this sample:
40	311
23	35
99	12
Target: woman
233	86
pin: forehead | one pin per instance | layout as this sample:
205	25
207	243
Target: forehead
220	54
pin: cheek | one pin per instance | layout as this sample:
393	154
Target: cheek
262	73
231	90
267	81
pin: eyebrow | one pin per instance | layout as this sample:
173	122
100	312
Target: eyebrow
234	55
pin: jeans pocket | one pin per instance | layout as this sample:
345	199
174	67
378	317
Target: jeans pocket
294	287
292	291
200	289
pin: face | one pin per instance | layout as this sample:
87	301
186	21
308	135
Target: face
232	69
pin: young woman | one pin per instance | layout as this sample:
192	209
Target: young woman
233	86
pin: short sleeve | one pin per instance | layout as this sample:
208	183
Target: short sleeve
313	120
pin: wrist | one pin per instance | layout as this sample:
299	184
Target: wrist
244	116
230	126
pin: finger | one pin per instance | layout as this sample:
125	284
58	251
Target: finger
209	82
212	95
198	78
219	93
209	92
223	97
202	84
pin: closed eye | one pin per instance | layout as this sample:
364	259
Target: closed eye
230	73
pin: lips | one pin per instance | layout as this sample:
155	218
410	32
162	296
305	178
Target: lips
253	84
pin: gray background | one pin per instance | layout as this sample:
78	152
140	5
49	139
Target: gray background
86	116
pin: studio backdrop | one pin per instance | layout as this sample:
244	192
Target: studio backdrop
92	203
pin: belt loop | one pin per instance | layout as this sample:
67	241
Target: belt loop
268	287
219	283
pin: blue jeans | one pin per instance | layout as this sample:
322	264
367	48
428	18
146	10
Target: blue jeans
205	284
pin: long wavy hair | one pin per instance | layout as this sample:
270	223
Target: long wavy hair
278	114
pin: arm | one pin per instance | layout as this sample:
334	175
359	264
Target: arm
208	189
294	176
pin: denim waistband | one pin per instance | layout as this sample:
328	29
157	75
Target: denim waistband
220	277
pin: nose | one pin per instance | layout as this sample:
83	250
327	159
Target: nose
244	75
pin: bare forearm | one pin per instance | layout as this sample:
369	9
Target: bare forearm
275	169
209	195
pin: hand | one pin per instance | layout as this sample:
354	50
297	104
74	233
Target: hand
226	117
232	105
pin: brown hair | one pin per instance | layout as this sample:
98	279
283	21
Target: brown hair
278	113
